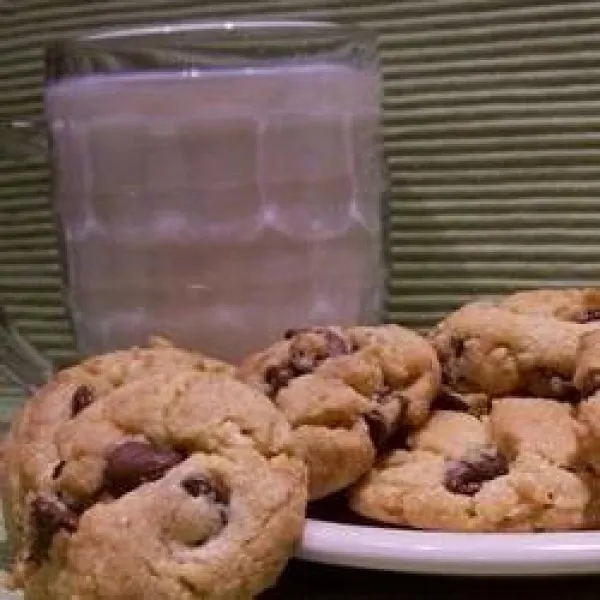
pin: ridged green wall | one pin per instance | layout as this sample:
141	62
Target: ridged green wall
492	129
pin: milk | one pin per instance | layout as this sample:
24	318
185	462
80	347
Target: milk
217	208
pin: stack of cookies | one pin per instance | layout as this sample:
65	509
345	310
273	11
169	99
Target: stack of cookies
161	473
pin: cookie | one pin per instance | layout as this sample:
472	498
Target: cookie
567	304
492	349
214	526
68	393
346	391
514	470
175	484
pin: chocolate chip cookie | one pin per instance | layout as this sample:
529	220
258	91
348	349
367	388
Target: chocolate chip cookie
176	484
575	305
516	469
346	391
496	349
69	393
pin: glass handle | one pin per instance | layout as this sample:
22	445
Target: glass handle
22	138
19	360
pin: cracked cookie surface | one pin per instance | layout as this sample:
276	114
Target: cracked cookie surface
517	469
177	482
346	391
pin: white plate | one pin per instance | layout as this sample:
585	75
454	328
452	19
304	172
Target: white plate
451	553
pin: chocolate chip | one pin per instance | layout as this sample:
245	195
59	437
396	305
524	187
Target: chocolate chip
467	475
223	515
305	354
277	377
304	359
590	385
302	362
199	485
564	390
51	514
448	400
58	469
336	344
588	316
213	490
383	395
379	431
134	463
386	422
48	517
457	346
82	398
292	333
546	383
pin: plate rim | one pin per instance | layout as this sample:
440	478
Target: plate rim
450	553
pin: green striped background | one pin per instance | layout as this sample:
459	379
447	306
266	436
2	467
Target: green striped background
492	129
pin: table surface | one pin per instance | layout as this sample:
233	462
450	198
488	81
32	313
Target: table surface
306	581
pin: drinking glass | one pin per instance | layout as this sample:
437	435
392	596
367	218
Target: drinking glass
216	183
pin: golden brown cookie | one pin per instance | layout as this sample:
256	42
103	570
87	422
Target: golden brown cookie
178	482
515	470
491	349
34	429
346	391
214	526
575	305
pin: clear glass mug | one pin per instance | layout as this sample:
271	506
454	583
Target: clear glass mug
215	183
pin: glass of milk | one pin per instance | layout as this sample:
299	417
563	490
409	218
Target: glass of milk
217	183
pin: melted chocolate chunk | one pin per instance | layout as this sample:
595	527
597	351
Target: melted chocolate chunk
48	517
134	463
466	476
82	398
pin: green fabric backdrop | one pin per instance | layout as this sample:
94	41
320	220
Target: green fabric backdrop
492	128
